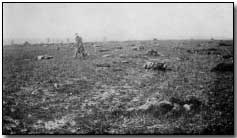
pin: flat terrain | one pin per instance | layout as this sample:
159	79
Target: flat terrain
103	93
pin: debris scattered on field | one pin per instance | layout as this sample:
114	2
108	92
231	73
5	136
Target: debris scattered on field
117	69
141	47
176	100
155	107
226	43
155	66
203	44
136	48
208	51
119	47
45	45
113	100
178	59
56	85
176	107
124	61
154	53
26	43
96	45
57	123
103	65
27	59
132	45
223	67
122	56
191	103
164	106
187	107
103	50
107	55
41	57
227	56
194	101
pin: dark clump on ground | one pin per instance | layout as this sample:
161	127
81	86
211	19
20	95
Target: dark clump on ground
227	56
226	43
155	66
153	52
223	67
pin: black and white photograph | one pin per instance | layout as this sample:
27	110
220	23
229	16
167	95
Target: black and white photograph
117	68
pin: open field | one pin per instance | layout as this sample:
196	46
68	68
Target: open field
64	95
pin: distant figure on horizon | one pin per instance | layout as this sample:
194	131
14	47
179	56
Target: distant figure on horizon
79	48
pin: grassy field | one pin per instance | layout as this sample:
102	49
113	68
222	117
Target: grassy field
64	95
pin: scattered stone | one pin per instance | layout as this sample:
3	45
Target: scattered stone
41	57
223	67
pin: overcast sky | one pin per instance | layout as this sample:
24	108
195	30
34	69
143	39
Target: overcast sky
118	21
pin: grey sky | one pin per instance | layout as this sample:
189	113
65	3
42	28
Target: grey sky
118	21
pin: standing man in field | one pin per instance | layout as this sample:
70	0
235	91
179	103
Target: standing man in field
79	48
